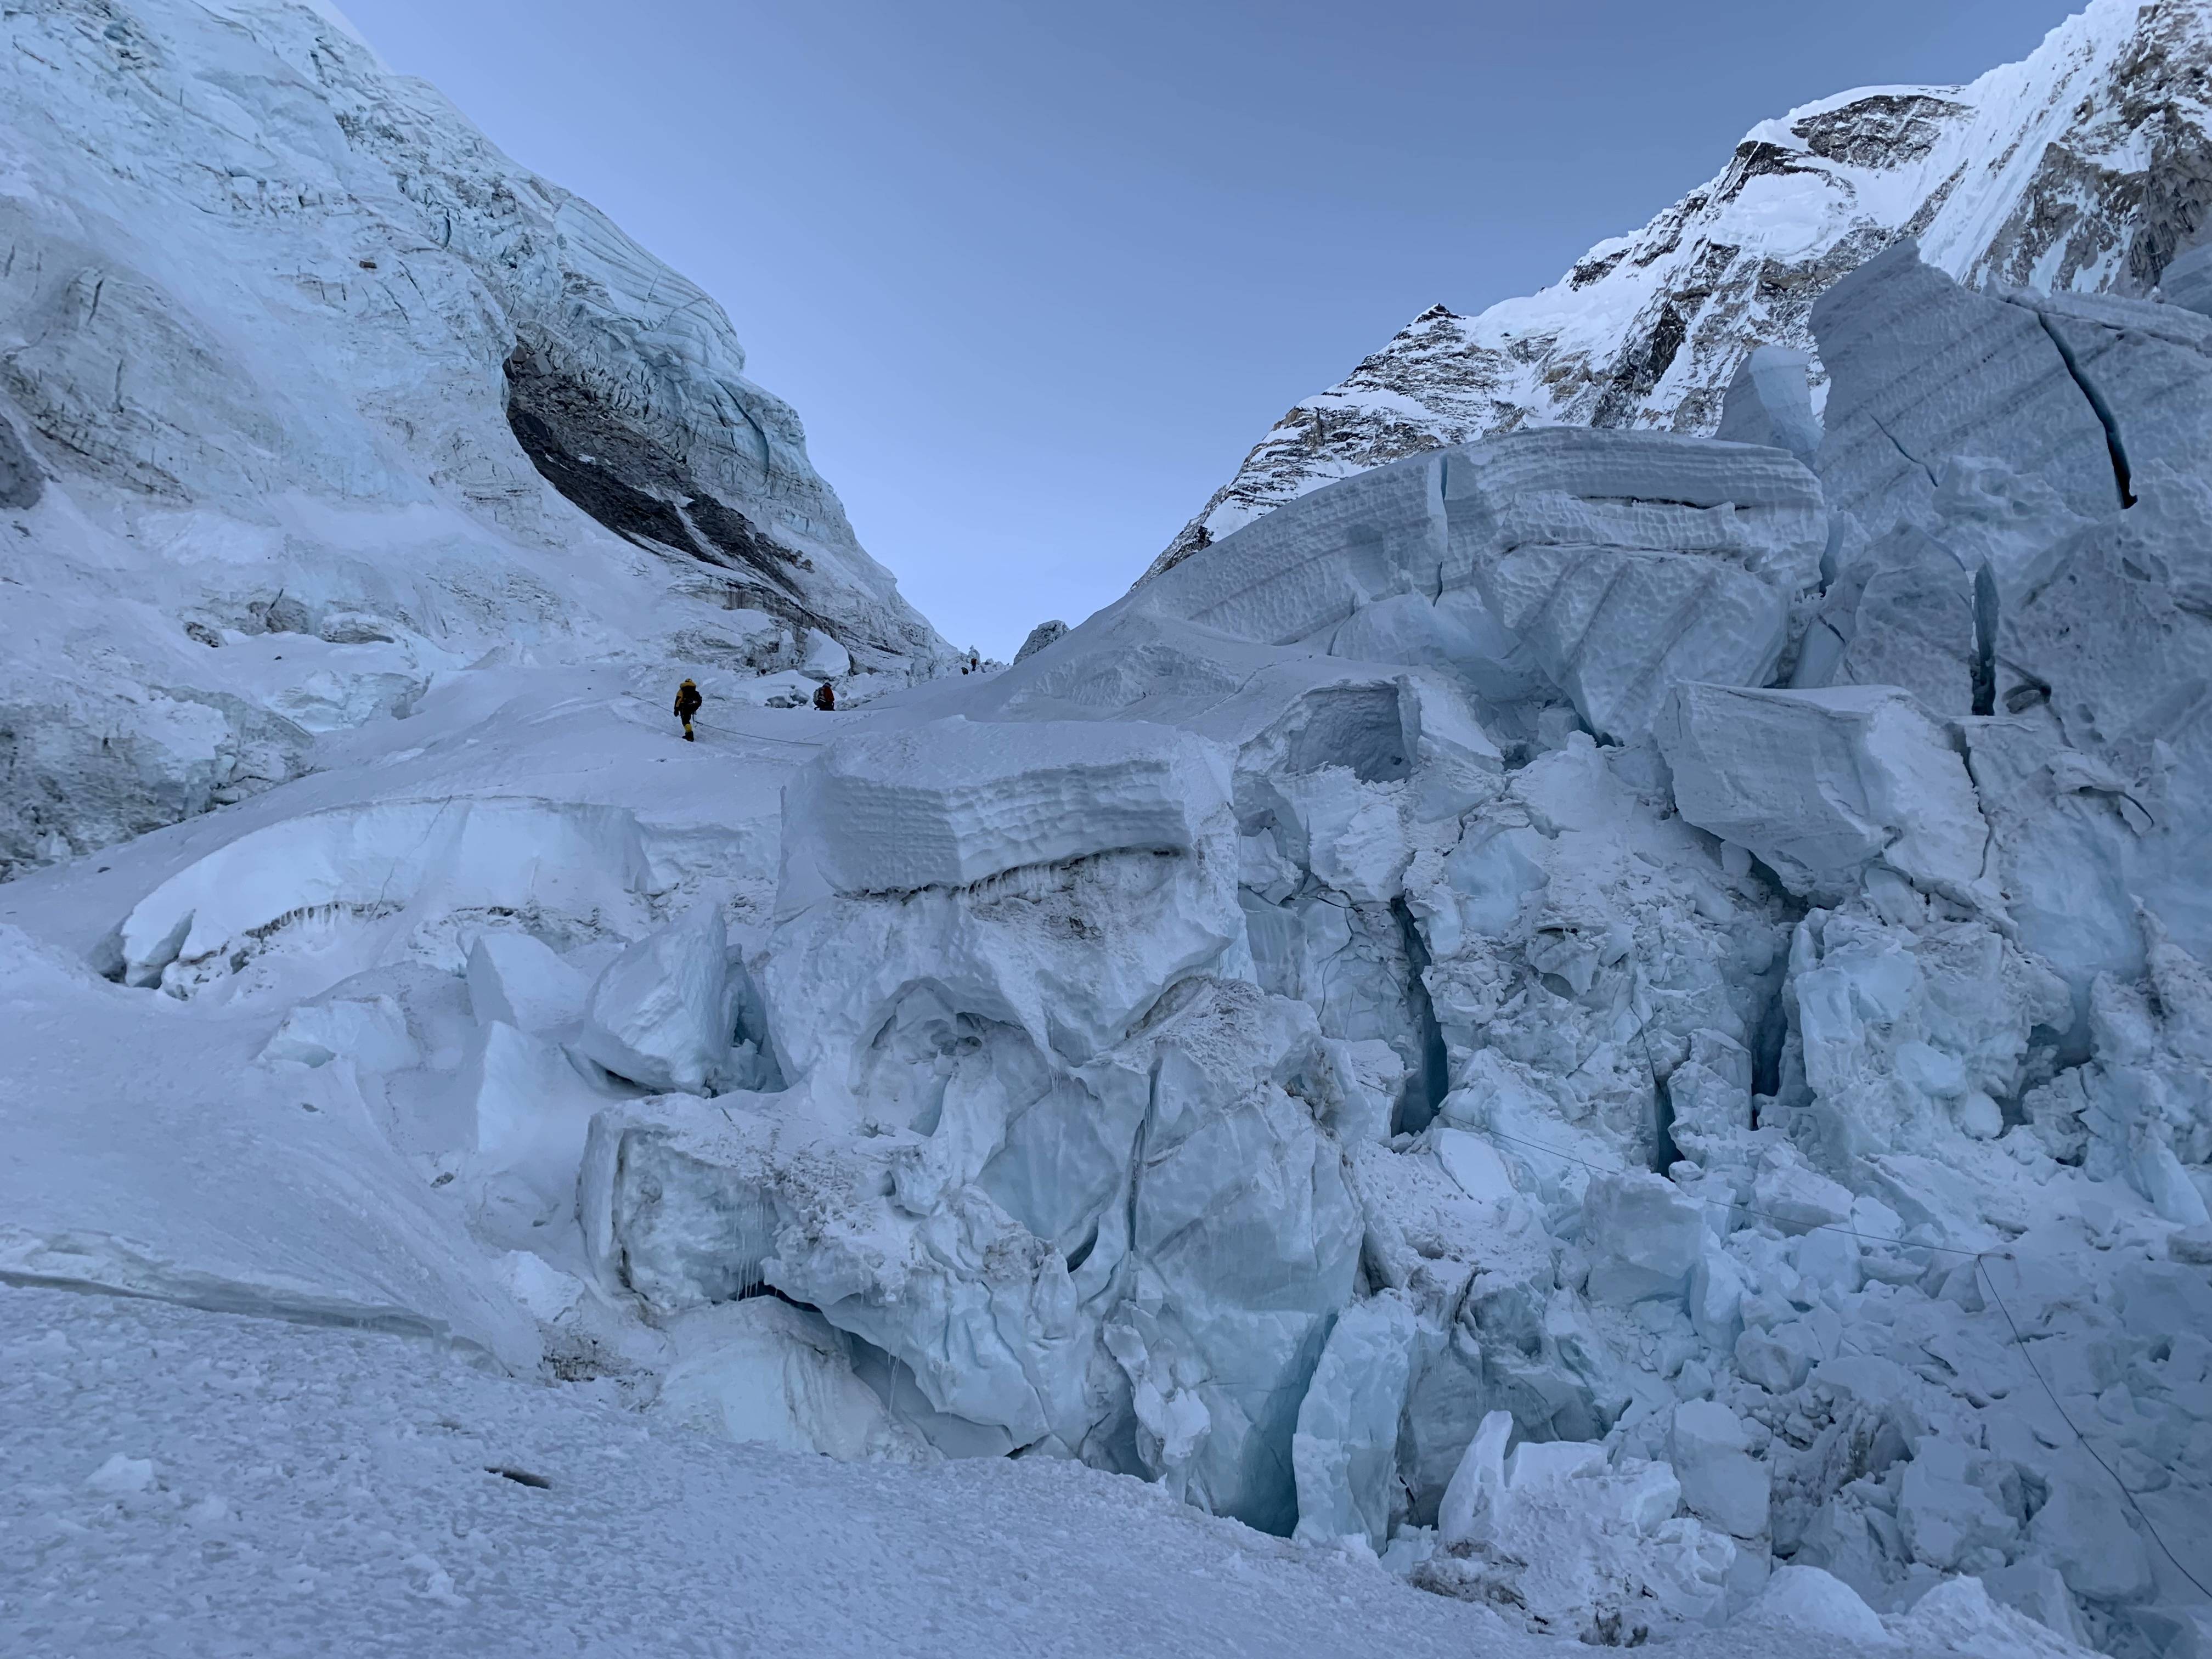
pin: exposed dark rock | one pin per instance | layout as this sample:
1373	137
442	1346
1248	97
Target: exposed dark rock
1885	131
637	488
1756	159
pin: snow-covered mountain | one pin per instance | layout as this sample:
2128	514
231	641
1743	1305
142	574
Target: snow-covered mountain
1612	1021
308	395
1590	1036
2086	168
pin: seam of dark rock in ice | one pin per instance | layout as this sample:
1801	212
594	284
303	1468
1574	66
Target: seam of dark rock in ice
1876	422
2097	404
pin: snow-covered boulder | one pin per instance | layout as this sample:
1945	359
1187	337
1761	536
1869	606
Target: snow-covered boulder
1820	784
1819	1603
659	1015
1044	634
518	980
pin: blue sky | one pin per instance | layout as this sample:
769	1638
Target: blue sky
1036	275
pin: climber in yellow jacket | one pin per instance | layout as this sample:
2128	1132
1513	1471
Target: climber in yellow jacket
687	704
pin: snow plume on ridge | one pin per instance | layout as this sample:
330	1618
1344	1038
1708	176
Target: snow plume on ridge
308	394
2085	168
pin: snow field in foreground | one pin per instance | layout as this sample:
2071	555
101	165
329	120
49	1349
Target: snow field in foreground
305	1496
189	1483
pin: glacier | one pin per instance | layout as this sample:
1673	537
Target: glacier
1594	1033
1446	1025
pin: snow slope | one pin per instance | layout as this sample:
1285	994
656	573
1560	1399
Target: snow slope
307	393
2085	168
259	1493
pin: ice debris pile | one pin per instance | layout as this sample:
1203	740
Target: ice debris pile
308	395
1614	1018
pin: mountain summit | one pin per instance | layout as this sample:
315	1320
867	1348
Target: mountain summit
2086	166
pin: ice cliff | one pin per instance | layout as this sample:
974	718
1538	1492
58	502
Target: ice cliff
1608	1017
307	395
2086	168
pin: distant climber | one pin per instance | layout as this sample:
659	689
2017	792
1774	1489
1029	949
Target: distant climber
687	704
824	696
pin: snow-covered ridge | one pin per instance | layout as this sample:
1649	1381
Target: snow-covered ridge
308	394
2085	168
